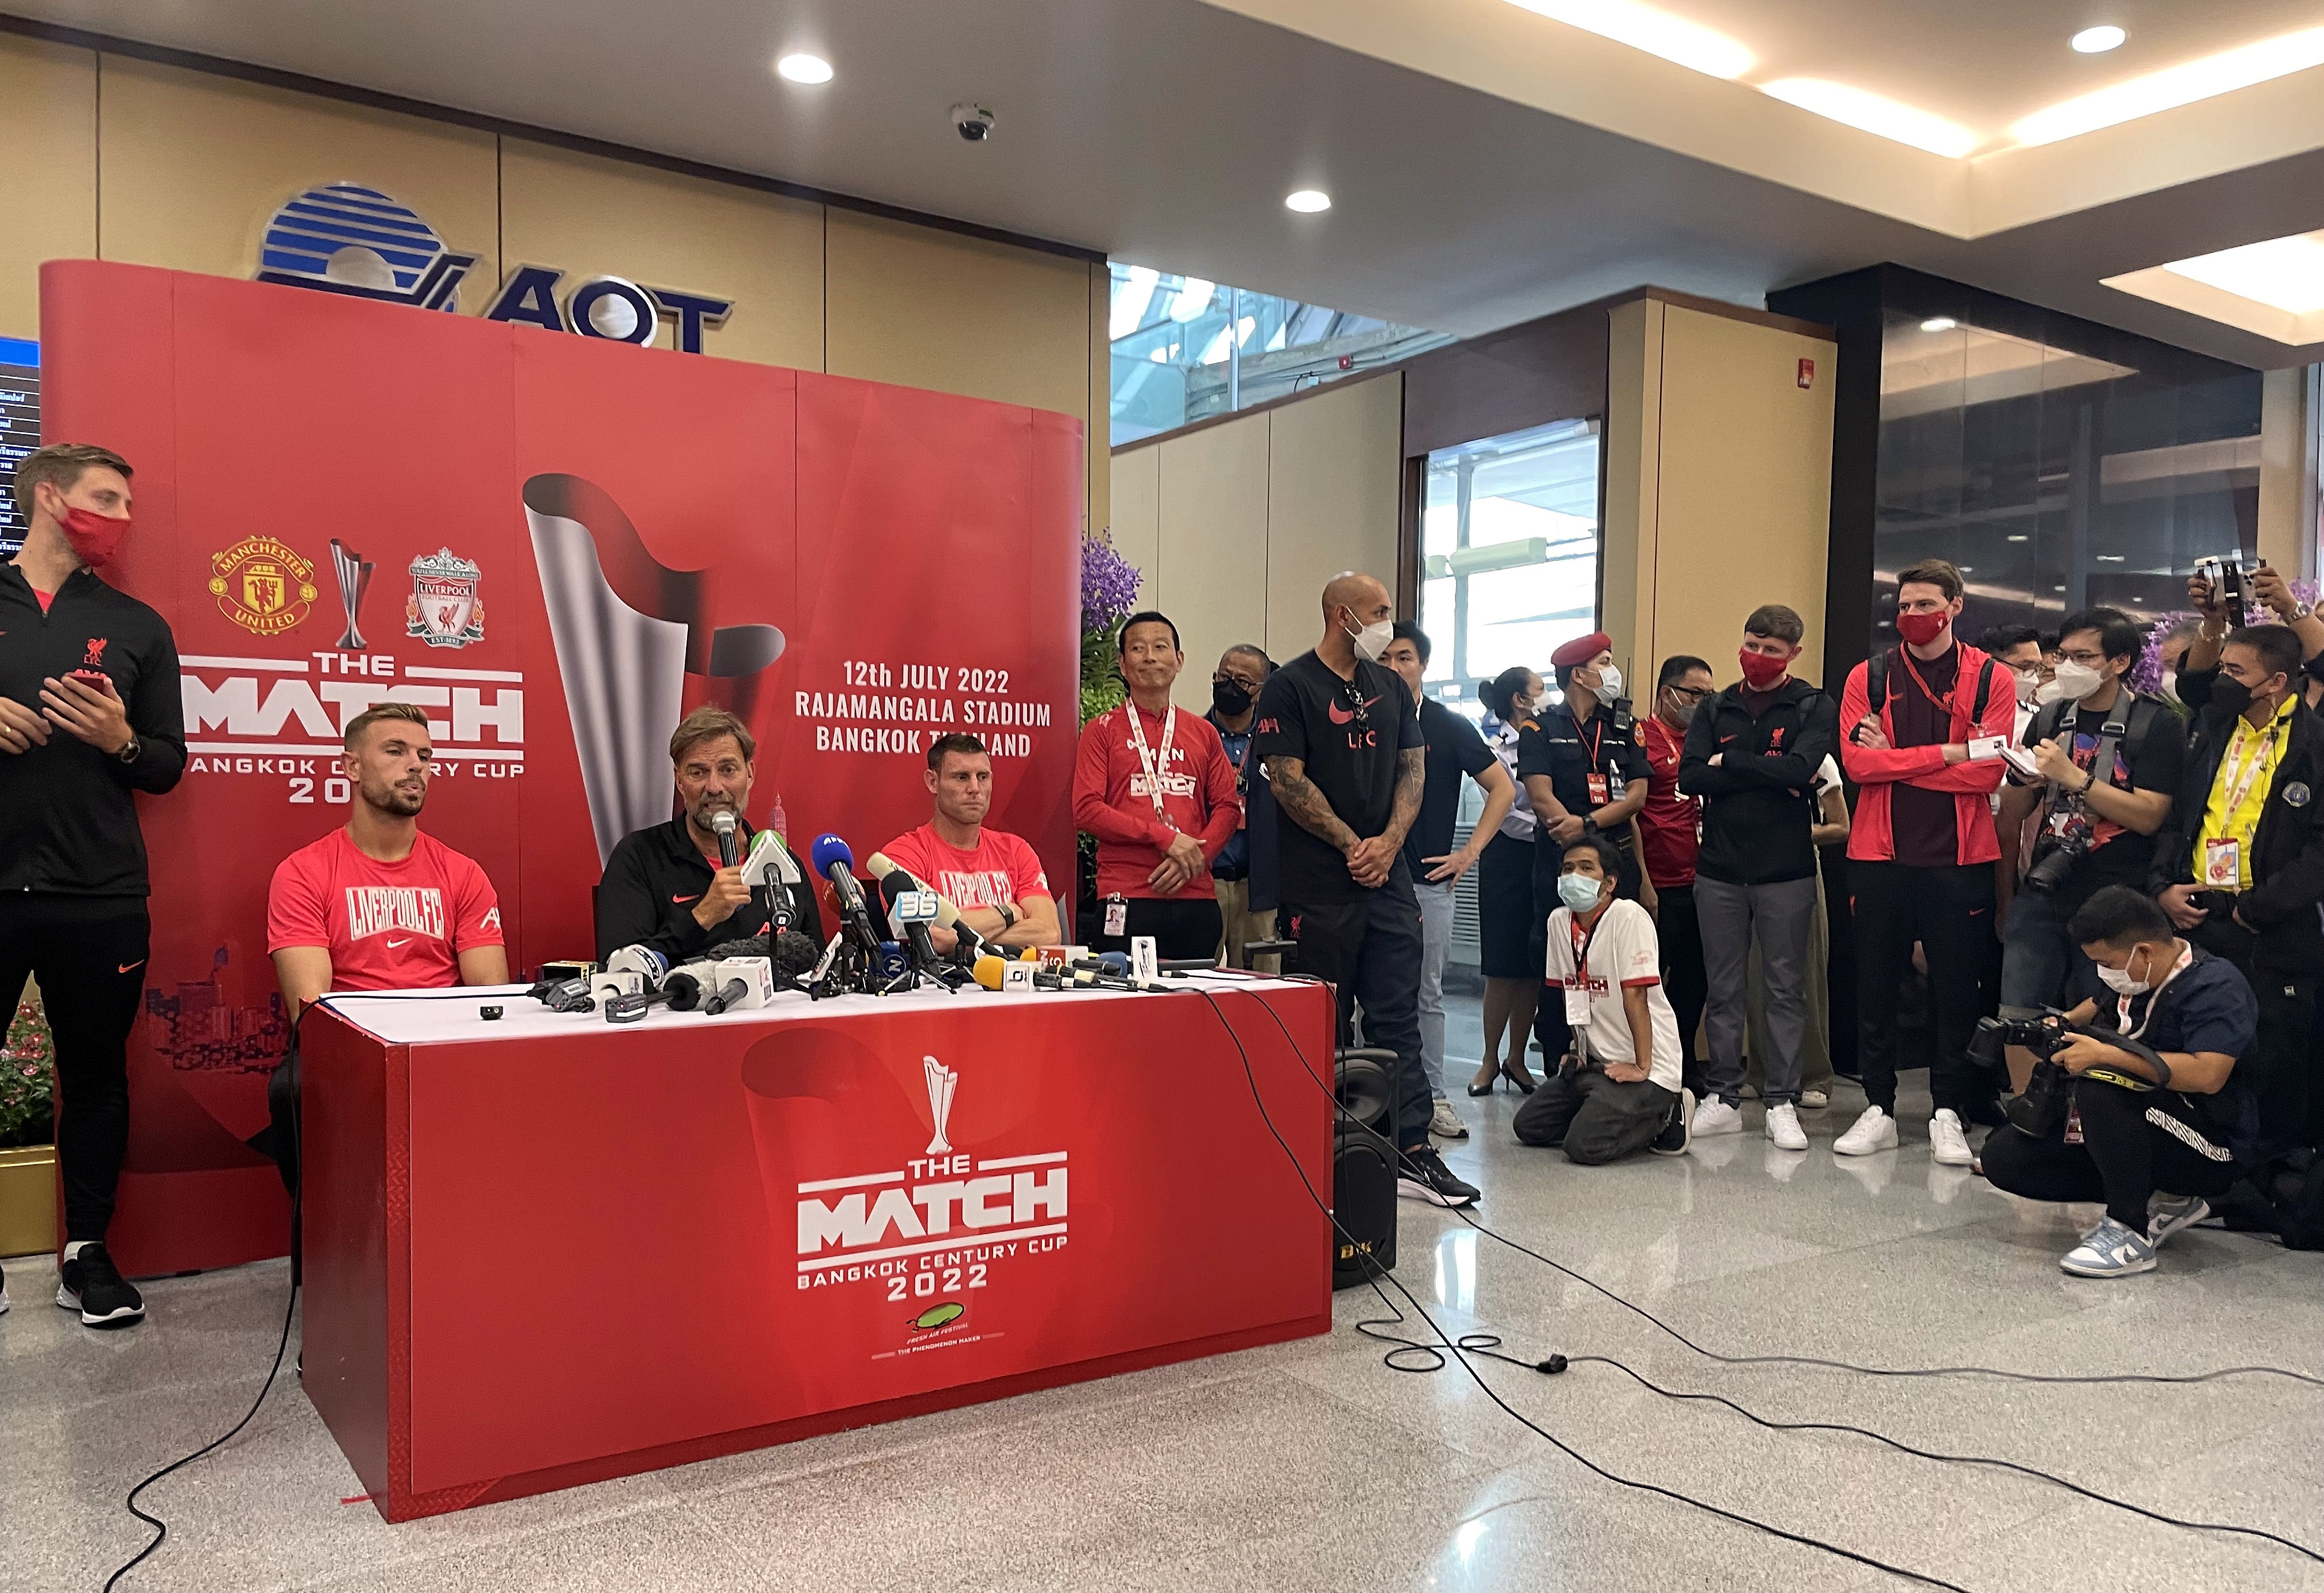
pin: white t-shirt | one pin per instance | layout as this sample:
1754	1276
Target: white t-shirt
1623	952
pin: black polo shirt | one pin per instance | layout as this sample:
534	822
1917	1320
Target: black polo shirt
655	876
1568	753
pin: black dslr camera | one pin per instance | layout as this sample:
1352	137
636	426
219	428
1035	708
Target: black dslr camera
2049	1088
2042	1036
2054	860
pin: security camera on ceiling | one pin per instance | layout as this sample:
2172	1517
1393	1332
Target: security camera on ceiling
973	123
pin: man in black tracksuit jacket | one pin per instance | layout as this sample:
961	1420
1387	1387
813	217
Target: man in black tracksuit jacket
2269	927
1751	754
90	713
655	876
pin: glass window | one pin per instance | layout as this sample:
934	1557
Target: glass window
20	430
1508	551
1185	349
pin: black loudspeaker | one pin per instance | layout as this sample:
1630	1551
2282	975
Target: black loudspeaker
1363	1168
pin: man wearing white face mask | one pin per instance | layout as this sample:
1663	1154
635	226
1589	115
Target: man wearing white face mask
1346	759
2151	1155
2107	763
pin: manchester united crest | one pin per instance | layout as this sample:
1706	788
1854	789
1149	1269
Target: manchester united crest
444	610
262	586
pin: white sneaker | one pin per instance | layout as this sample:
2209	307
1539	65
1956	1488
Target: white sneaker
1447	1122
1714	1116
1875	1130
1813	1100
1948	1143
1784	1128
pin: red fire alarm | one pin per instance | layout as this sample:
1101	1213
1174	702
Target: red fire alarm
1347	362
1807	372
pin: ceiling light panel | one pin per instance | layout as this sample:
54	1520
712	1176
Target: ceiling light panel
2286	273
1875	113
1658	32
1308	201
2175	86
805	68
2097	41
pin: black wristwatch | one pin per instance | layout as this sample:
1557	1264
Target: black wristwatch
130	748
1008	916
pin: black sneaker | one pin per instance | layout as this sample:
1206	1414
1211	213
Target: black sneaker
3	1293
1423	1176
91	1285
1679	1132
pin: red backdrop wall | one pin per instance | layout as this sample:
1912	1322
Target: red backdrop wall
917	554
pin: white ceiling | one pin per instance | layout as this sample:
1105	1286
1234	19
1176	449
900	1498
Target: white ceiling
1166	132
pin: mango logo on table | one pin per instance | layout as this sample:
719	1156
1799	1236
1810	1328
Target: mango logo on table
937	1316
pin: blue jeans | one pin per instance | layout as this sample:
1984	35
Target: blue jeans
2041	965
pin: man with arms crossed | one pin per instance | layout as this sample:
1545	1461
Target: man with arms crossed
994	879
1346	761
89	714
376	904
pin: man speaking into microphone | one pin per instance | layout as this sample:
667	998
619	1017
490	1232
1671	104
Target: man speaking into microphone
671	886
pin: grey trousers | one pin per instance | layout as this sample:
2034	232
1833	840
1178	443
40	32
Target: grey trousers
1595	1119
1435	946
1781	917
1815	1050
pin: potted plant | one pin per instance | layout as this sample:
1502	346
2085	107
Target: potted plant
28	1157
1109	597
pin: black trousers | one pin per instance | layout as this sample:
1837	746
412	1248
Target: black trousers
2126	1154
1684	981
1595	1119
1183	929
2283	1063
1950	912
89	953
1369	951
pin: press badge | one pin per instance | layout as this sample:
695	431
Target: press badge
1117	916
2223	864
1600	792
1577	1007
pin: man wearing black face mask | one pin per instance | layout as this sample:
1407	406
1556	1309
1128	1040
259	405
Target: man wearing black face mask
1244	873
1670	828
2240	864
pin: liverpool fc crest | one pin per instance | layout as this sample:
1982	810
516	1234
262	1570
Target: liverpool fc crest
444	610
262	586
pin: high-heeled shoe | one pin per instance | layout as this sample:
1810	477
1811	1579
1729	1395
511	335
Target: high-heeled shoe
1486	1086
1522	1079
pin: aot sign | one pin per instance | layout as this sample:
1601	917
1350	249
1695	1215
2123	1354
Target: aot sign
345	238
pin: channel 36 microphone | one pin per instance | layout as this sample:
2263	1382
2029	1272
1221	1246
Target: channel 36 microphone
723	822
835	863
967	944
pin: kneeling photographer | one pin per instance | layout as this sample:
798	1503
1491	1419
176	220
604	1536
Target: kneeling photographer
2149	1114
2105	764
2239	867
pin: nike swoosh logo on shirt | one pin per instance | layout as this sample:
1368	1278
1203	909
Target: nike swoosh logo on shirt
125	967
682	900
393	944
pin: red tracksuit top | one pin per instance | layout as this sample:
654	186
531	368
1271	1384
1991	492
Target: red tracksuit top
1972	784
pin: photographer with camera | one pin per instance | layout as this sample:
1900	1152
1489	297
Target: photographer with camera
2153	1103
2106	765
2239	866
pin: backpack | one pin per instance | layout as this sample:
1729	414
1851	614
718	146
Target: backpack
1875	685
2051	717
2284	1197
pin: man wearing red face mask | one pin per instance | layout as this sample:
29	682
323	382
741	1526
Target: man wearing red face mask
1751	755
1921	731
90	714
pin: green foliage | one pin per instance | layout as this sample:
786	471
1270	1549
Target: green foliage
27	1084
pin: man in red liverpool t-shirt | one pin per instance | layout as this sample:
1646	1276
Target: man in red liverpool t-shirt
1156	788
1670	833
994	879
377	905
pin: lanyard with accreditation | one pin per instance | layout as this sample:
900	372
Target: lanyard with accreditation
2223	857
1577	994
1147	759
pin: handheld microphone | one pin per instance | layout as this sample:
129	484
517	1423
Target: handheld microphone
838	864
970	945
897	883
744	984
723	822
1112	962
989	972
769	869
681	991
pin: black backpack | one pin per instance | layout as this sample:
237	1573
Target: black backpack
1875	685
2283	1196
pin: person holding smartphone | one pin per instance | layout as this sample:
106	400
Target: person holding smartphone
90	713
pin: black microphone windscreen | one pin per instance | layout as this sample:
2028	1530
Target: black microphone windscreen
794	955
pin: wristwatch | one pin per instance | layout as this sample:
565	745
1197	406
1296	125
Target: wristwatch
2298	613
130	748
1008	916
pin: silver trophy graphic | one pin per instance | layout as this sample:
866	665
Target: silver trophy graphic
942	1081
355	580
628	632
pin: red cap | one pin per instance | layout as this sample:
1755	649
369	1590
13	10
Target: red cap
1581	649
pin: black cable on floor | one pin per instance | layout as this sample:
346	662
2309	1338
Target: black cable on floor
1488	1346
160	1528
1460	1353
1836	1366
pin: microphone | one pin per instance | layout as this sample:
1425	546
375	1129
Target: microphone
988	973
723	822
769	870
898	883
971	945
836	863
744	984
1112	962
681	991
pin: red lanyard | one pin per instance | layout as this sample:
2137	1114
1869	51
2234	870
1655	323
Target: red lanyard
1594	745
1905	653
1670	748
1582	943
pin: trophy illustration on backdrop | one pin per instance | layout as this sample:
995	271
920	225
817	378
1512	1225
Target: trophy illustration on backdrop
355	580
628	632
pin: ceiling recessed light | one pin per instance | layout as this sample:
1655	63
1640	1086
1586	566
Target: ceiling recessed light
1939	324
2109	558
2175	86
1658	32
2097	41
1875	113
1308	201
2286	273
2019	536
805	68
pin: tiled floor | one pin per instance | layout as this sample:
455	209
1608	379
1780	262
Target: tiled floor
1311	1465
